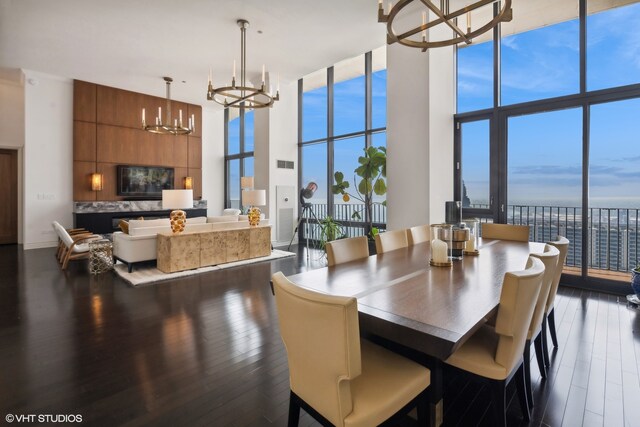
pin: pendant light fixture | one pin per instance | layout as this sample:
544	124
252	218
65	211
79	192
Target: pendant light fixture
167	126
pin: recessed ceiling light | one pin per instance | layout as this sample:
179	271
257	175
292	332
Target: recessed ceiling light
259	31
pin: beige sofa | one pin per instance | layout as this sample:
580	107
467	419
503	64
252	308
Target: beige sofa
140	244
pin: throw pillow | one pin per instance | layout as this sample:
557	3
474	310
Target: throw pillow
124	226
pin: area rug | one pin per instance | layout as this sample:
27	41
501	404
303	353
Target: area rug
142	275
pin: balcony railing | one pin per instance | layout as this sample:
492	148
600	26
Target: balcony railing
614	233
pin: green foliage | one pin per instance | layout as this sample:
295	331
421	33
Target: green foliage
330	230
369	179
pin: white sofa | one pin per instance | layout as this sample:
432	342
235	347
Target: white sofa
140	244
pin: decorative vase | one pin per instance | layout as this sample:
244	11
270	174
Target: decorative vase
635	282
178	221
254	216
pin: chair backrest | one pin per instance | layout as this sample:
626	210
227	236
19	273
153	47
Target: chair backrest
562	244
519	233
550	260
62	234
419	234
345	250
518	298
391	240
322	337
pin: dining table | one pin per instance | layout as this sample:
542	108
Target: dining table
430	310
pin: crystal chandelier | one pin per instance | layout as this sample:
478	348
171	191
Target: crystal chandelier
242	96
443	17
167	127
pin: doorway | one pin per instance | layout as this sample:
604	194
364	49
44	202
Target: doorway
8	197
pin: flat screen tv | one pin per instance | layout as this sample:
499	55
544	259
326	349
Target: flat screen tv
144	182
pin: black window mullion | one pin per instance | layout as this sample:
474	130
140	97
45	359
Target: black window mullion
368	96
583	46
227	196
330	141
300	168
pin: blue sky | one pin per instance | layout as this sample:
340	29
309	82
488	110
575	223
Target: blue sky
545	149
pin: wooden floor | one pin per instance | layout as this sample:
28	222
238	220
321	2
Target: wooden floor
205	350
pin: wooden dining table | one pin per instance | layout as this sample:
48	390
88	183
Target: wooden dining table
428	309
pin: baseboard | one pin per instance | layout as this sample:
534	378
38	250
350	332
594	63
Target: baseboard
40	245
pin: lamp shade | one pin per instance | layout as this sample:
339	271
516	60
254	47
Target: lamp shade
246	182
254	197
177	199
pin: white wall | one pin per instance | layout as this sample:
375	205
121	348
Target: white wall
419	135
213	159
283	134
12	125
48	154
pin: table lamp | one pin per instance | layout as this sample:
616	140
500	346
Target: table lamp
254	198
177	200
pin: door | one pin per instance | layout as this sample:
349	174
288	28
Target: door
8	197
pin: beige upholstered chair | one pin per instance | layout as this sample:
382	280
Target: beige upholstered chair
538	326
495	354
345	250
391	240
519	233
335	376
563	246
74	246
418	234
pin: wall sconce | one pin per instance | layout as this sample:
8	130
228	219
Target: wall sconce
246	182
97	180
188	182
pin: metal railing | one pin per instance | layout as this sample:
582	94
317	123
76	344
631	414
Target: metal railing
614	233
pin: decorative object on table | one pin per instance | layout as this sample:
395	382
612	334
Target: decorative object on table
242	96
253	199
417	37
167	127
178	220
440	244
369	181
453	212
177	200
100	256
635	284
471	245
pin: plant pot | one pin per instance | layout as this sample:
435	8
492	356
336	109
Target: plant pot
372	247
635	282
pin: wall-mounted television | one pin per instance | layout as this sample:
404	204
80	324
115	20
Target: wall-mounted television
144	182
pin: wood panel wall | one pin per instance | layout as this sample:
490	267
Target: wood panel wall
107	133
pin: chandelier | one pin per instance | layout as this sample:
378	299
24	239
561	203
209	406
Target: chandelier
443	17
167	127
242	96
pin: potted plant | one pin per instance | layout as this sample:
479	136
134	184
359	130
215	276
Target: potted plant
330	230
635	280
369	179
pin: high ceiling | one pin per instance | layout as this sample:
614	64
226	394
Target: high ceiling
132	44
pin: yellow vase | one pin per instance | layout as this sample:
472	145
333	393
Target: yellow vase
178	221
254	216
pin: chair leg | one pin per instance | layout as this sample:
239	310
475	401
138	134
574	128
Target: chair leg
527	372
65	261
499	402
545	345
537	343
522	393
294	411
424	418
552	327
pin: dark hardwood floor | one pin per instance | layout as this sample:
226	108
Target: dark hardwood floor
205	350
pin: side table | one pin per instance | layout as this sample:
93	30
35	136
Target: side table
100	256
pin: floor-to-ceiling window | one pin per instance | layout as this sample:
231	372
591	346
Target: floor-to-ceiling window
239	143
549	98
342	111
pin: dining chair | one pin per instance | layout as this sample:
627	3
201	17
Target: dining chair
335	376
74	247
418	234
562	244
538	326
345	250
391	240
495	354
518	233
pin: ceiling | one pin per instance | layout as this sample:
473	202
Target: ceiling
132	44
